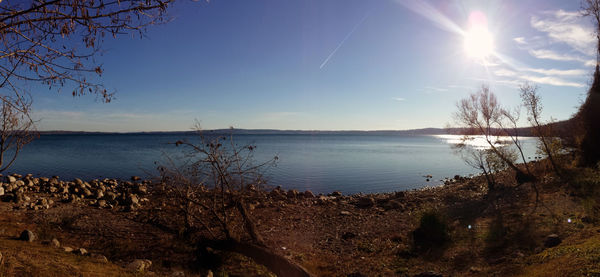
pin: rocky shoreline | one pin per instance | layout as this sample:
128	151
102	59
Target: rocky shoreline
36	193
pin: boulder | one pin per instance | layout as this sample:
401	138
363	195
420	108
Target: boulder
552	240
11	179
142	189
1	190
135	178
20	183
365	202
132	199
110	196
27	236
308	194
292	193
336	193
139	265
87	193
101	203
67	249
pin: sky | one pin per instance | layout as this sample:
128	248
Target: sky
330	65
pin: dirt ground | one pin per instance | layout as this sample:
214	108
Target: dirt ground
492	234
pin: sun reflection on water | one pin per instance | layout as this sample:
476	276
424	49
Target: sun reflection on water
478	141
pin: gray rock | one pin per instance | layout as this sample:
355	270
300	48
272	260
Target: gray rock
139	265
27	235
552	240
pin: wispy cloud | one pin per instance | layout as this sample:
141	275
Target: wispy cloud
504	73
557	72
552	76
57	114
399	99
520	40
553	55
549	80
438	89
565	27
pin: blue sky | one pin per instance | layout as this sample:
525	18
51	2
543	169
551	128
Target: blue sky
328	65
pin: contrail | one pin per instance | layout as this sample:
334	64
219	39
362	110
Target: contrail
344	40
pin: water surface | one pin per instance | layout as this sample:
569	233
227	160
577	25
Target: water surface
321	163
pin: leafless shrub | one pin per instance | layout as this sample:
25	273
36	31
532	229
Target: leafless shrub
210	194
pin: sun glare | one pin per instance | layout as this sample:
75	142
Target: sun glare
479	43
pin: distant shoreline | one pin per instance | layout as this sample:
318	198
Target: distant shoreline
411	132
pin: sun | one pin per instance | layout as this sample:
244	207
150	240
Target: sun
479	42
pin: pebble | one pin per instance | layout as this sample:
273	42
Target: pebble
139	265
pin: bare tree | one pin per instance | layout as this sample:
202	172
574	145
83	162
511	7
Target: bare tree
53	43
16	130
532	102
591	8
510	127
481	114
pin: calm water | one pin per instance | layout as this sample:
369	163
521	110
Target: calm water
321	163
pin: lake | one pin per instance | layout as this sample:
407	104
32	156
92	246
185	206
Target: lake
321	163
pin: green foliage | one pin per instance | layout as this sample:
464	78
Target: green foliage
432	232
